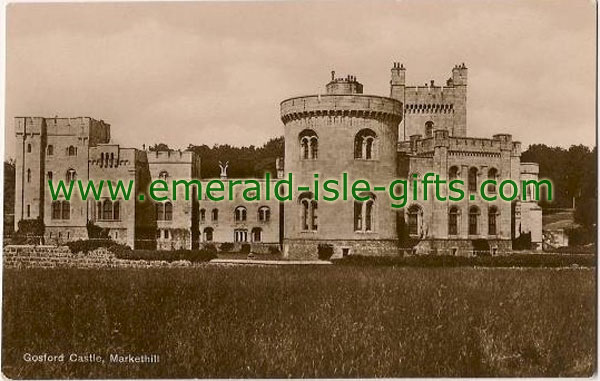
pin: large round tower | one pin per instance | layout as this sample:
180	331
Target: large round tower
342	131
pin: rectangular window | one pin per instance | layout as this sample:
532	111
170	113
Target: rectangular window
28	210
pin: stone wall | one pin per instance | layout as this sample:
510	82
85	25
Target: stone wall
25	256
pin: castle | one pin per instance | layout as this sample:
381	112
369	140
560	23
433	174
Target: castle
417	129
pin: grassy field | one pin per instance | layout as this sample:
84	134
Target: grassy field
328	321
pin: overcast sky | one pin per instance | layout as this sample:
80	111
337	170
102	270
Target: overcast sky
207	73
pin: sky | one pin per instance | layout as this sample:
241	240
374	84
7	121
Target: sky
215	72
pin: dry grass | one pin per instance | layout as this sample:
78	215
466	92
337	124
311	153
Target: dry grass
331	321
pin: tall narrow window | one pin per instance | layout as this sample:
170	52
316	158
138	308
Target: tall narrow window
240	214
264	214
309	144
28	175
453	173
453	221
474	220
202	215
473	179
429	129
215	215
49	175
305	209
363	214
313	215
28	148
208	234
160	212
414	220
72	151
66	210
364	144
492	175
308	206
369	215
71	175
357	216
56	210
116	211
256	235
107	210
28	210
168	211
492	220
50	150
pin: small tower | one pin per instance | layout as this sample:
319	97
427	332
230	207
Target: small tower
398	81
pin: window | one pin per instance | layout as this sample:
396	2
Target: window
453	173
453	221
473	179
28	175
308	212
71	175
492	220
240	214
160	212
240	235
50	150
415	216
473	220
429	129
208	234
107	210
116	211
264	214
168	211
363	214
309	144
202	215
256	234
364	144
72	151
492	175
28	210
56	210
215	214
163	175
49	175
66	210
167	233
28	148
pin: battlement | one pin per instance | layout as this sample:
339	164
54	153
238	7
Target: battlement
362	106
97	131
425	146
170	156
347	85
530	168
111	156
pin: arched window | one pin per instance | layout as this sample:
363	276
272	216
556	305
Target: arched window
98	210
240	214
28	148
50	150
453	173
160	212
163	175
215	214
208	234
309	144
264	214
473	220
453	215
364	144
168	211
429	129
71	175
492	175
308	211
492	220
240	235
56	210
473	179
116	211
72	151
107	210
415	219
202	214
28	175
66	210
256	234
363	214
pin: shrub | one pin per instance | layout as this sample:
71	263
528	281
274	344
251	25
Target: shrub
169	256
226	247
95	231
29	232
523	242
274	250
245	248
325	251
87	245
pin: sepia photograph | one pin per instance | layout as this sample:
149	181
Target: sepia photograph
299	189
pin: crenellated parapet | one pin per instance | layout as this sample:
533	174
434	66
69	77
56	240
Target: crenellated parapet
360	106
465	146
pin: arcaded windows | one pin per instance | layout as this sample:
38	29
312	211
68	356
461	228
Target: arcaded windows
71	175
256	234
28	175
429	129
164	212
208	234
202	215
473	220
215	215
492	175
264	214
108	210
28	148
453	173
453	215
240	214
492	220
240	235
308	208
363	215
415	220
72	151
163	175
309	144
50	150
473	179
61	210
364	144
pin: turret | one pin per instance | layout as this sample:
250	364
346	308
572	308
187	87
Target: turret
397	82
459	75
348	85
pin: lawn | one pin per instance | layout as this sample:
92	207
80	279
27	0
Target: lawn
325	321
